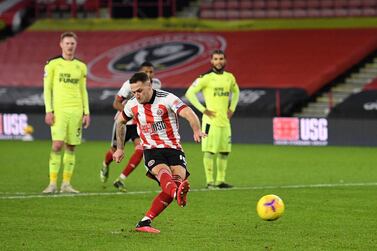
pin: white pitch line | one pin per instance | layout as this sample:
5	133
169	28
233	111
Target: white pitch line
24	195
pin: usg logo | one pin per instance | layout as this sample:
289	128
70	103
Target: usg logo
300	131
171	54
313	129
12	125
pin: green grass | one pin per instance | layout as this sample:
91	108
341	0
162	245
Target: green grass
175	24
339	217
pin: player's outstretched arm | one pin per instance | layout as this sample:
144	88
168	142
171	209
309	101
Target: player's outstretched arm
188	114
120	133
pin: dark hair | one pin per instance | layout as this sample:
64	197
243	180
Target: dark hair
68	34
146	64
221	52
139	76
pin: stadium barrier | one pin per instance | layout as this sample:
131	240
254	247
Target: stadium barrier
258	102
278	130
261	102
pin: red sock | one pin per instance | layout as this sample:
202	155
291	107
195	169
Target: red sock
167	184
160	202
133	162
109	157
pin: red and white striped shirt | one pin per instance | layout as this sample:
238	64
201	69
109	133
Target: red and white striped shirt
157	121
124	94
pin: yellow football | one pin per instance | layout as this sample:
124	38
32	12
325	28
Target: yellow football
28	129
270	207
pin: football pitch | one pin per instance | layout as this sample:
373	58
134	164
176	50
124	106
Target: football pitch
329	194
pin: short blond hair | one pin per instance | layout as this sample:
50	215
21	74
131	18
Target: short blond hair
68	34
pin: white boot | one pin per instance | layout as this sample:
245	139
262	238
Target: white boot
50	189
67	188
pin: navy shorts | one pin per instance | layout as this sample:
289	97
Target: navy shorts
168	156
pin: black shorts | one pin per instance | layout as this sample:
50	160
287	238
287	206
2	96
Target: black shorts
168	156
131	133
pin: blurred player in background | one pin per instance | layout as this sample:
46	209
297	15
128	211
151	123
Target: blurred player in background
216	85
67	108
156	114
123	95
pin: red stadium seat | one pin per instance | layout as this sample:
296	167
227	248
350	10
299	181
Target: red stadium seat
259	4
354	3
233	4
327	12
369	3
300	13
246	4
233	14
314	13
369	12
221	14
208	14
340	12
219	5
299	4
286	4
259	13
272	4
327	4
312	4
286	13
354	12
246	14
272	13
206	5
341	4
92	5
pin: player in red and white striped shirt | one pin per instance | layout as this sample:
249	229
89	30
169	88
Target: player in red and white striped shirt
123	95
156	114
